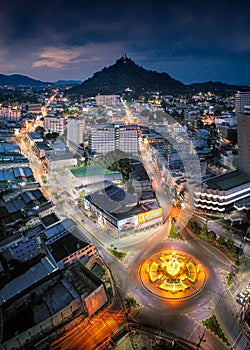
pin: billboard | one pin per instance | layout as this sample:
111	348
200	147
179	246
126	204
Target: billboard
148	216
128	223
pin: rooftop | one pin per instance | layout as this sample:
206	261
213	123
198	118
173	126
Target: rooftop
82	280
49	219
63	226
113	199
60	156
66	246
228	181
93	170
118	203
21	283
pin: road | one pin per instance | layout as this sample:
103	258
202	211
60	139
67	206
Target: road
216	298
178	318
96	334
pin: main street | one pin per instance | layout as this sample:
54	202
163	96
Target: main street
178	318
188	315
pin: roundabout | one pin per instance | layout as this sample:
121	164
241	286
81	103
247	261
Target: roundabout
173	274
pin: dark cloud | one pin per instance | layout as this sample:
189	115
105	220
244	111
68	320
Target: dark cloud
38	37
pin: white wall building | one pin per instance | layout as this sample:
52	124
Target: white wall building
75	131
104	100
242	102
56	124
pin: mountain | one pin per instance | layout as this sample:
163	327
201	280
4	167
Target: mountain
125	73
20	80
67	82
214	86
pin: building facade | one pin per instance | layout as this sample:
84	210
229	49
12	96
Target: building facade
75	131
242	101
110	100
56	124
221	193
107	138
244	142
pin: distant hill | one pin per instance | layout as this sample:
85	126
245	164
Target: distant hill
20	80
214	86
67	82
125	73
23	80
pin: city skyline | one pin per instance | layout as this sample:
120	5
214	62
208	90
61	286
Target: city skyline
192	42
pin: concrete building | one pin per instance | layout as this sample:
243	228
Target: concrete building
10	114
41	149
67	248
242	101
33	137
56	124
59	157
75	131
107	138
244	142
44	298
127	139
121	211
101	139
32	107
110	100
242	105
222	193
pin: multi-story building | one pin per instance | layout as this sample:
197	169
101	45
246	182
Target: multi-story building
10	114
56	124
222	193
106	138
101	139
127	139
35	108
242	105
242	101
104	100
75	131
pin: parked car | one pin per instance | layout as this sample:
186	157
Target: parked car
241	301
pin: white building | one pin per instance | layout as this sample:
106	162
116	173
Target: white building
104	100
221	193
56	124
242	102
107	138
75	131
10	114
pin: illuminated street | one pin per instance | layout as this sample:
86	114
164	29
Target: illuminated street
91	335
211	297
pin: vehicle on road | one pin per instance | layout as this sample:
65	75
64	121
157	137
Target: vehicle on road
241	301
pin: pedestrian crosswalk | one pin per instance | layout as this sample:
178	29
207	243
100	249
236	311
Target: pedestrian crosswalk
242	342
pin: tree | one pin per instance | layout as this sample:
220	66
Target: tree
221	240
211	236
229	243
204	232
40	130
52	135
131	302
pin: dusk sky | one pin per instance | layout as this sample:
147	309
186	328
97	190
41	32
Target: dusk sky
193	41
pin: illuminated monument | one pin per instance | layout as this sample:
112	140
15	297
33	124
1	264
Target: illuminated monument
173	274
